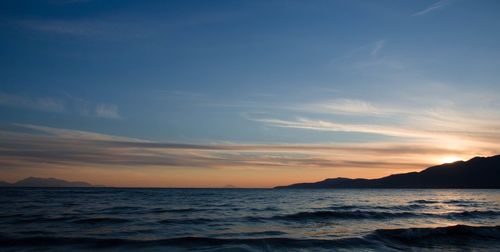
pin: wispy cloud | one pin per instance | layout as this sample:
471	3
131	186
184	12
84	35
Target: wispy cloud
368	58
322	125
342	106
63	104
470	117
434	7
360	52
102	29
107	111
72	134
52	145
33	150
377	46
36	103
468	135
116	26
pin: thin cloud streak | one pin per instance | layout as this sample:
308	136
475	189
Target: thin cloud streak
106	29
44	146
48	104
419	116
107	111
66	104
377	47
434	7
322	125
119	26
405	131
342	106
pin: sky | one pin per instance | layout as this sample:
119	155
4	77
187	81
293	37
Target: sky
244	93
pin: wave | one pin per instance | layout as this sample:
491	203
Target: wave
358	214
194	221
121	209
101	220
312	216
452	202
265	233
139	210
37	232
424	202
265	209
183	210
378	215
157	210
459	202
38	219
460	236
201	243
440	235
400	207
7	216
472	214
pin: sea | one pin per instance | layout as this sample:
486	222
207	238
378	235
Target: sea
118	219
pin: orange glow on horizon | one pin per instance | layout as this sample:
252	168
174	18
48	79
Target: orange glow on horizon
121	162
449	159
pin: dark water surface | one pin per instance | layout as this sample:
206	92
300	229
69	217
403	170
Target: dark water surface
33	219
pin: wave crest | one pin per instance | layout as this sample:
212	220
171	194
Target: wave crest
451	236
358	214
378	215
447	234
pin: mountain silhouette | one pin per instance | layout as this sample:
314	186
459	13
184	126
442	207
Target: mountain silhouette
46	182
478	172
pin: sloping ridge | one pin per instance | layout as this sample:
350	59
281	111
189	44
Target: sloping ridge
478	172
46	182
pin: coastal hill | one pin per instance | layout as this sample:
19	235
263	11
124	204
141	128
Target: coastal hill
478	172
45	182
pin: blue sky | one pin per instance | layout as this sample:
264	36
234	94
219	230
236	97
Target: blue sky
266	73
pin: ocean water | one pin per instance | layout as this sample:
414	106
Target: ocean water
62	219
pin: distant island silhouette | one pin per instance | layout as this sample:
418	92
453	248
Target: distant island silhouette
477	173
46	182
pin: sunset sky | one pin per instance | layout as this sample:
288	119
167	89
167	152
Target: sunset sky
244	93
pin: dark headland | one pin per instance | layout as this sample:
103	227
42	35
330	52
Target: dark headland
45	182
478	172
